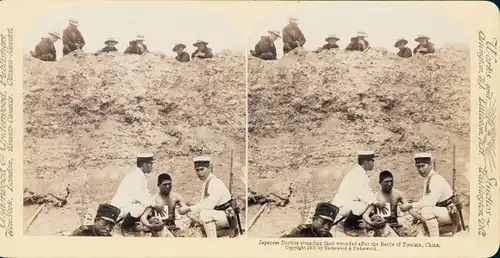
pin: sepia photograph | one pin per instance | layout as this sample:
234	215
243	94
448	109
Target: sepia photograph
357	127
134	122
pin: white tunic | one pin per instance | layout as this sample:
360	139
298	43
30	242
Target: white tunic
354	187
133	189
439	190
217	194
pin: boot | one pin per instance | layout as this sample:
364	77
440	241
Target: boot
210	229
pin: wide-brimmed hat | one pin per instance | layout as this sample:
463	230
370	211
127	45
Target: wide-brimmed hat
56	34
111	40
73	22
179	45
198	42
293	19
332	36
421	37
399	41
361	33
139	37
275	32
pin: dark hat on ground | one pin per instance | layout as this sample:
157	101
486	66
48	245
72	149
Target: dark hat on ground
180	45
326	211
384	174
366	155
107	212
401	40
201	162
111	40
164	177
145	157
332	37
198	42
423	157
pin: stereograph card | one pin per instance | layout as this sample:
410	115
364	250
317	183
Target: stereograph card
274	129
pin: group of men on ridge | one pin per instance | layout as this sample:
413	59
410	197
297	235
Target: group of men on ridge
73	39
294	38
362	209
140	212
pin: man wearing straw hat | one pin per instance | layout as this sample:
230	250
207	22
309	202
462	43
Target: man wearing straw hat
45	49
72	38
424	46
354	195
331	43
358	43
137	46
202	51
182	56
404	51
110	45
436	205
292	36
265	48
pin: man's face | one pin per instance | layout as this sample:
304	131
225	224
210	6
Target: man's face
139	42
103	227
273	36
180	50
369	164
422	41
53	38
202	172
321	226
111	44
201	46
332	41
387	184
361	38
165	187
147	167
423	169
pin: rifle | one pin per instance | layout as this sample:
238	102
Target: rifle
236	208
457	202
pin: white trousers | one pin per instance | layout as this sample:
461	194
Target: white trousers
356	207
440	213
135	210
218	217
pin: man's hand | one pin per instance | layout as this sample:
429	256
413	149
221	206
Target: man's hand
381	207
159	209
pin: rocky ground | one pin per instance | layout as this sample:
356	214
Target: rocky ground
310	113
86	117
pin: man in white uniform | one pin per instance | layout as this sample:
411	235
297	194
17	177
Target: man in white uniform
215	200
354	194
436	196
133	196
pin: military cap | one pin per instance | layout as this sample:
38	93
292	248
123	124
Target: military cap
423	157
201	162
145	157
366	155
326	211
107	212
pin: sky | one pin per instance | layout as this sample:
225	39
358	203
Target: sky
163	26
383	22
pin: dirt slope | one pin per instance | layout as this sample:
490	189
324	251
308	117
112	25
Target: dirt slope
309	115
86	117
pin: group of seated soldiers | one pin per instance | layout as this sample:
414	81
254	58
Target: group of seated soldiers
379	214
294	38
72	40
138	213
